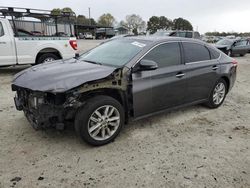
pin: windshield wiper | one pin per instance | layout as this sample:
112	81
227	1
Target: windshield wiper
88	61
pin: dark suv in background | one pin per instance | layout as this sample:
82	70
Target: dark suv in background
184	34
121	80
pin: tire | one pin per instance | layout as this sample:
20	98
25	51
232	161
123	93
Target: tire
46	56
212	103
242	55
89	125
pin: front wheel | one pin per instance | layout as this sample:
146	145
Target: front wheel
47	58
100	120
218	94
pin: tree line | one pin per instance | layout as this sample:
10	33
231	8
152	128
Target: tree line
133	22
224	34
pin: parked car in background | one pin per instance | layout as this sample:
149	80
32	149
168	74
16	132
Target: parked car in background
23	33
36	33
26	48
211	39
124	79
61	34
185	34
88	35
233	47
104	33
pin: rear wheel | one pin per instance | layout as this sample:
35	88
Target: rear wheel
100	120
218	94
46	58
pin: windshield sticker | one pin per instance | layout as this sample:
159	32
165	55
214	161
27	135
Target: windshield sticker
141	45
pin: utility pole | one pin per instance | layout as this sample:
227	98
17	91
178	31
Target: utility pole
89	17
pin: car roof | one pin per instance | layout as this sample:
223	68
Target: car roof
159	39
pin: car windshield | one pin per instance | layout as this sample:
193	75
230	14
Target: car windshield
225	42
114	53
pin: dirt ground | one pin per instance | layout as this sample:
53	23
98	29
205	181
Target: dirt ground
191	147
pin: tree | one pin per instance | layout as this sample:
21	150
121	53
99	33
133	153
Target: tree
182	24
82	20
161	22
65	11
106	20
134	23
56	12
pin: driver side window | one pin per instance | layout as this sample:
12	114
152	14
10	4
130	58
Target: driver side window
165	55
1	30
240	43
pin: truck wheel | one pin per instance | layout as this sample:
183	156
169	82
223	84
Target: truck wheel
46	58
218	94
100	120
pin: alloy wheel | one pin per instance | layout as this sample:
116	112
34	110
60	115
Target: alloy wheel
103	122
219	93
48	60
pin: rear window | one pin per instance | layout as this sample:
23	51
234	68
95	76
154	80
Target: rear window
214	53
195	52
1	30
196	35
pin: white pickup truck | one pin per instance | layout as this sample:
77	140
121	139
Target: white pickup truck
28	49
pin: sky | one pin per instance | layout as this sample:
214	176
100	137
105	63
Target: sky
206	15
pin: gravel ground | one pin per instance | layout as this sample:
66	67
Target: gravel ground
191	147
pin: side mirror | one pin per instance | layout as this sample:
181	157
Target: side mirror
147	65
77	55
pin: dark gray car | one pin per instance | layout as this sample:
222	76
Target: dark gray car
121	80
233	47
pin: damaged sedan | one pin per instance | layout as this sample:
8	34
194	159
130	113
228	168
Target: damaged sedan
121	80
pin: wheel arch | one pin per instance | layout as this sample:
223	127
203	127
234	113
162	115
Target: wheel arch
117	94
48	50
227	80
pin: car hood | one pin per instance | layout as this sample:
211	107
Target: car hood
221	46
60	76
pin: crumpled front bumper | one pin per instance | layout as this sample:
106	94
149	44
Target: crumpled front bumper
40	113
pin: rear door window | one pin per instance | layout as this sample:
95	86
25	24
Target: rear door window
165	54
241	43
195	52
1	30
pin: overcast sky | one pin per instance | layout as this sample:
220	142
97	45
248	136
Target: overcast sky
207	15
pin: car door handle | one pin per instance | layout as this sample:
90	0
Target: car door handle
2	42
215	67
180	75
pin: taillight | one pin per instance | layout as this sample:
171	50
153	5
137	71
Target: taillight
235	63
73	44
